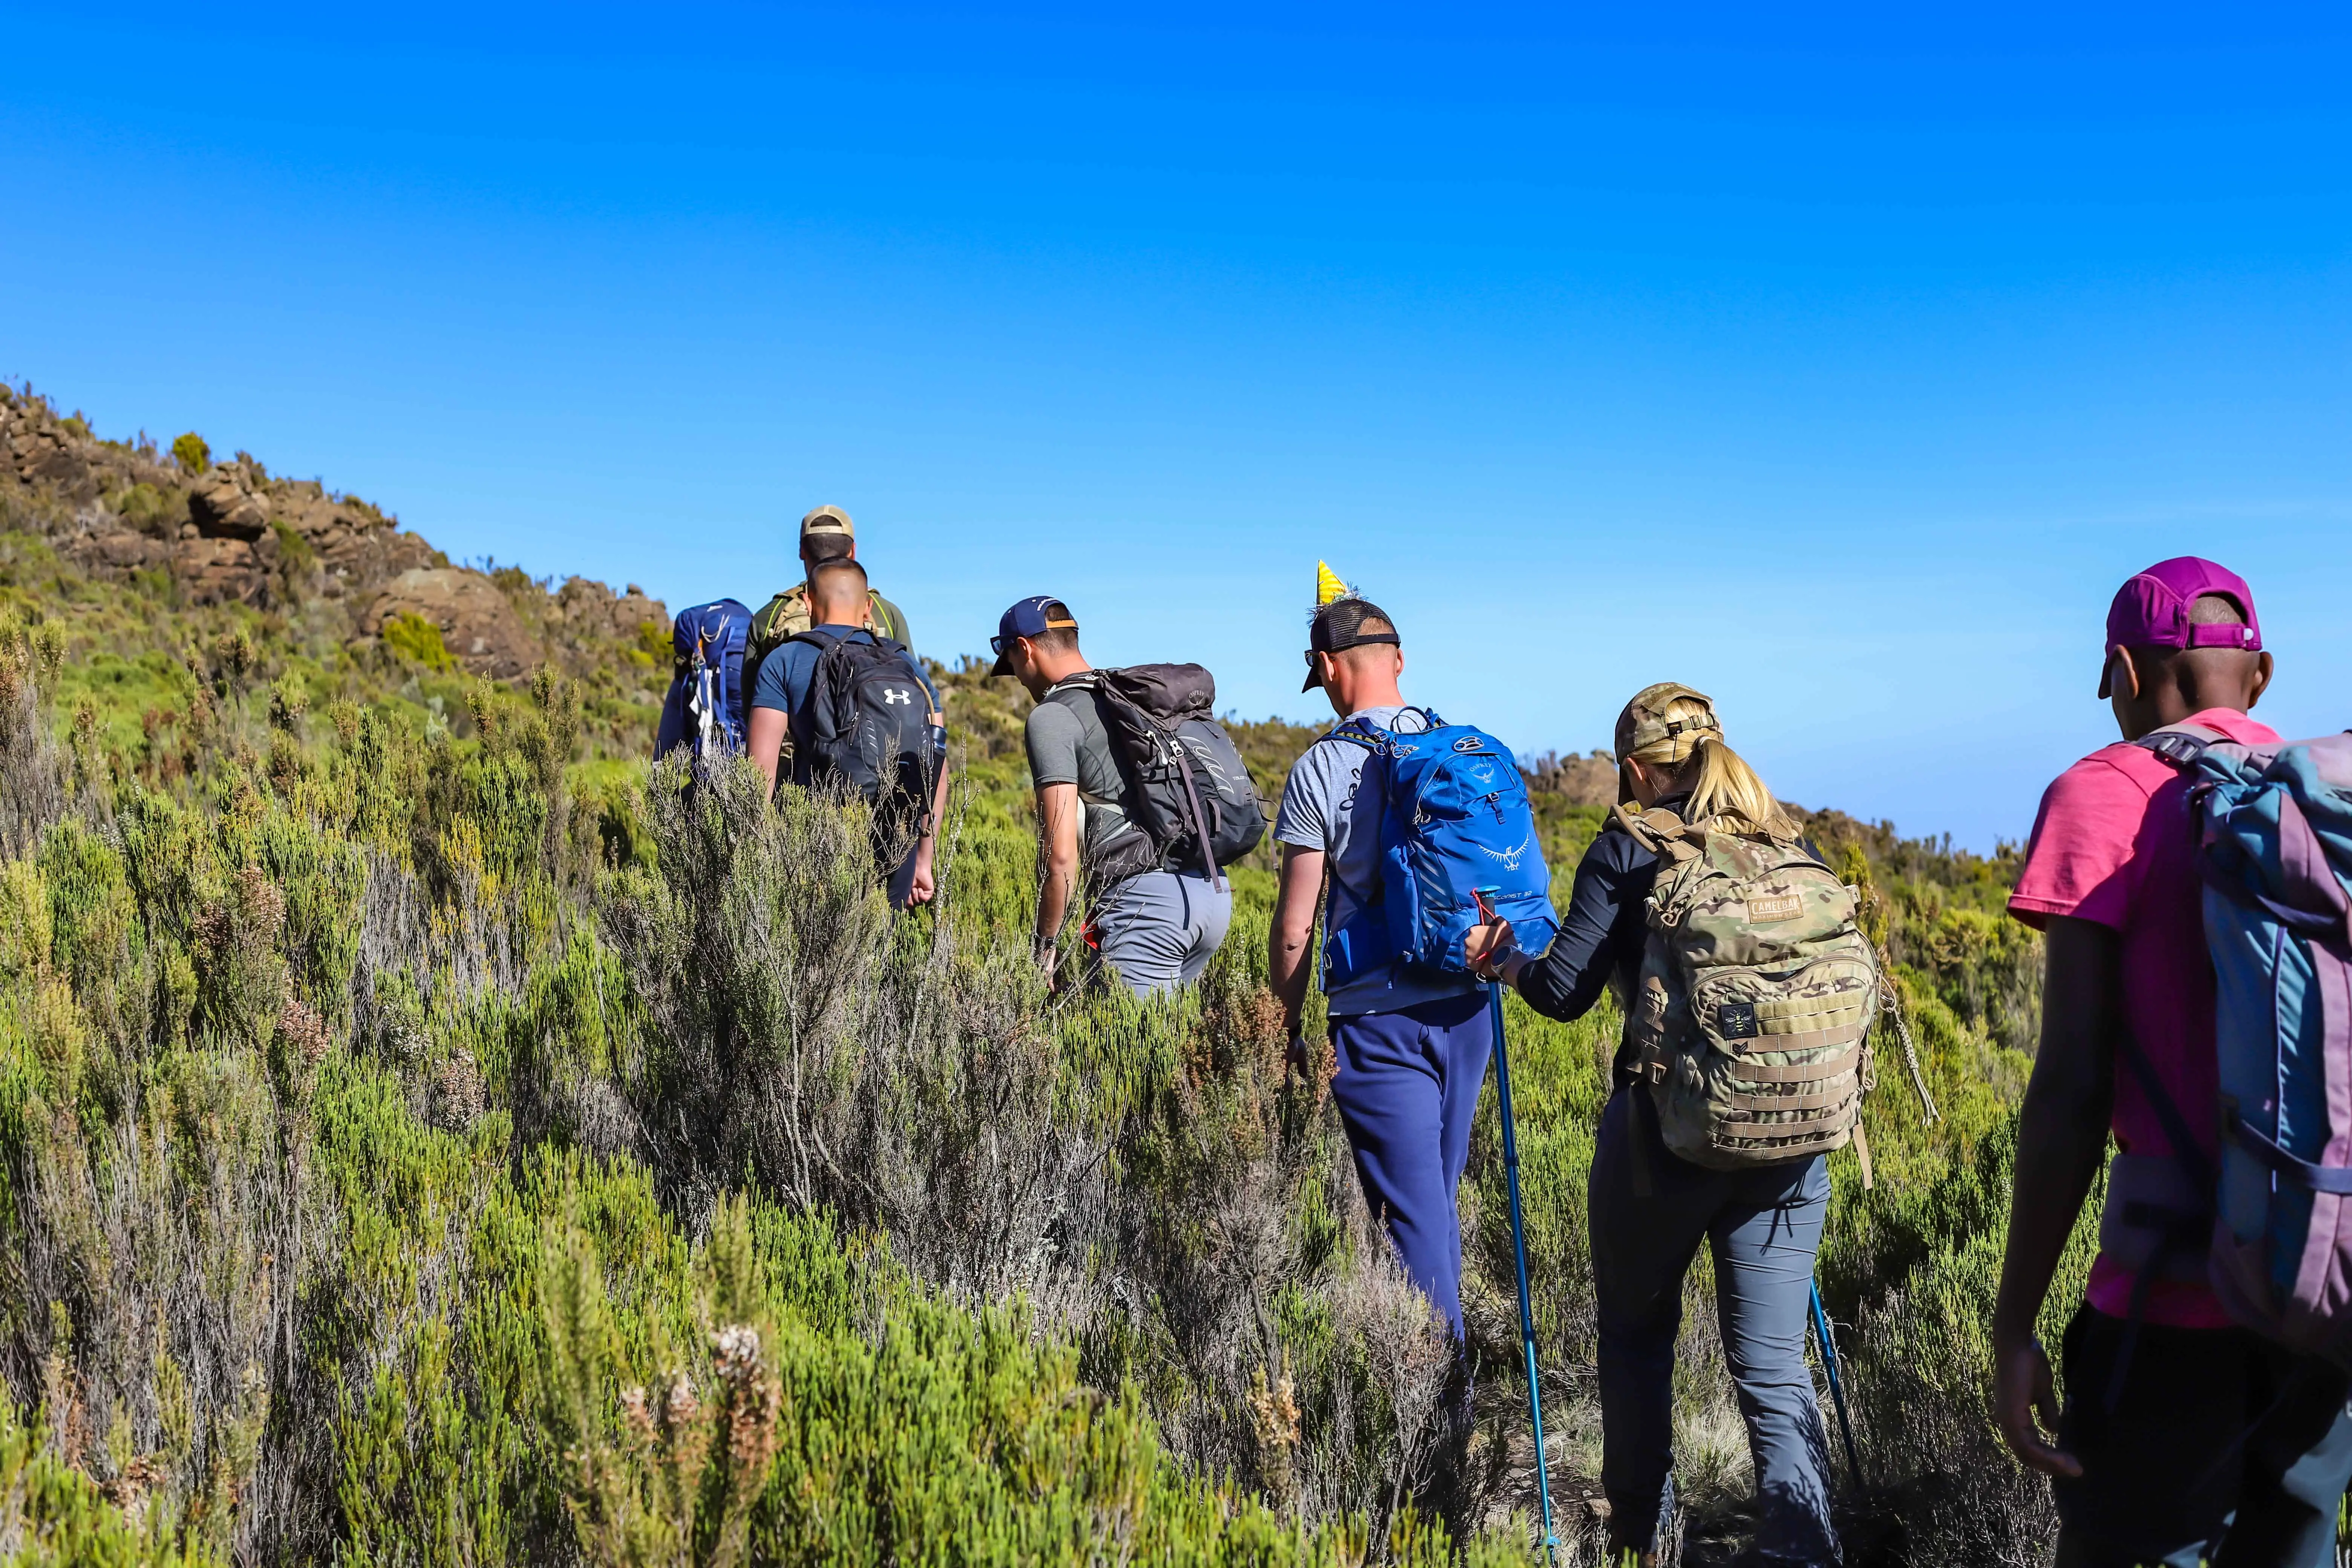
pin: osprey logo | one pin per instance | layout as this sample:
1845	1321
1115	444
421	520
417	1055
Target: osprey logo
894	695
1509	858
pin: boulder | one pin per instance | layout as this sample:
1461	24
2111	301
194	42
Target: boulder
214	571
123	550
476	622
223	507
47	455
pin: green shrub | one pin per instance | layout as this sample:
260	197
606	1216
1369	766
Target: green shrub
418	641
190	453
394	1112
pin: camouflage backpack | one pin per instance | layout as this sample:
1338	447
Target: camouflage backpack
786	617
1757	993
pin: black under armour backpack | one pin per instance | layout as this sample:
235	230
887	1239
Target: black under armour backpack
867	724
1191	800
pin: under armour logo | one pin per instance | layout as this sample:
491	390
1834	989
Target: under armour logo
897	694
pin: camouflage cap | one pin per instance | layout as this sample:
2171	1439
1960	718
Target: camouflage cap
828	519
1641	724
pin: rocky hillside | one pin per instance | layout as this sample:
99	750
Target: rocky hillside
367	596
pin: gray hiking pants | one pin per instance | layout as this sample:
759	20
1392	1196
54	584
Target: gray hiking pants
1159	928
1649	1213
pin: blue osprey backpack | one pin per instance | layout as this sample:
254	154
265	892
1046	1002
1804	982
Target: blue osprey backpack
1454	824
704	708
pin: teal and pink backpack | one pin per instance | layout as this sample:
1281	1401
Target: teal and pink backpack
2274	847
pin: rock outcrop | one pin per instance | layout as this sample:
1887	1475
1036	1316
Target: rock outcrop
1588	780
232	534
477	625
223	505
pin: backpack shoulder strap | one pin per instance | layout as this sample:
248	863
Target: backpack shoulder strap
815	638
1371	736
1659	830
2180	745
1355	732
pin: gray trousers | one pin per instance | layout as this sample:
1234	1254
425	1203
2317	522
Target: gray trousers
1762	1227
1159	928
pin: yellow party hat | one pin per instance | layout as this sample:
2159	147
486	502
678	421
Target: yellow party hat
1327	586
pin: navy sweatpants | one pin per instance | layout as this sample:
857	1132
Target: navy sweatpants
1407	1090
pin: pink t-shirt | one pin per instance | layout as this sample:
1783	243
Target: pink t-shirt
2113	845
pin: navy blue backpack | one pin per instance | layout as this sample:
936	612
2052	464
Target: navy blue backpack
1454	824
704	710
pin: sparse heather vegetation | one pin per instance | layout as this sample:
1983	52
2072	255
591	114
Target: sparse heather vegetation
429	1136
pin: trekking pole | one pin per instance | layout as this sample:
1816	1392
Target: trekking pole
1837	1389
1519	1249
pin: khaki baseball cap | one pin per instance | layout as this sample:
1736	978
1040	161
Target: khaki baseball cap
1641	723
828	519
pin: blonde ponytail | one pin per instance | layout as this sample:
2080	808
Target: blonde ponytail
1674	730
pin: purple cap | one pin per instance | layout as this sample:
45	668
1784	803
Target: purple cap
2151	610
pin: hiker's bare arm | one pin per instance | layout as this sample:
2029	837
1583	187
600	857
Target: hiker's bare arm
1291	937
1057	858
2062	1137
925	881
766	740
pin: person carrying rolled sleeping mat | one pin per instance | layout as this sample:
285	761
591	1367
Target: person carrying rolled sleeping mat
862	718
2189	1433
1142	800
1731	1083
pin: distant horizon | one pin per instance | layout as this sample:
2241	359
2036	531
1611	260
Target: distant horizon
1839	365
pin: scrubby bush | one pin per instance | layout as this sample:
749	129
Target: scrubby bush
419	1148
414	638
190	453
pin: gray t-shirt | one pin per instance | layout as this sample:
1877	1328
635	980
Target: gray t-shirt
1068	744
1319	812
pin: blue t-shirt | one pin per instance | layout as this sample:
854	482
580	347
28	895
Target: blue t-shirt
784	675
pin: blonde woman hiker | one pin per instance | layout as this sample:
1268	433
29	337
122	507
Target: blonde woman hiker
1651	1207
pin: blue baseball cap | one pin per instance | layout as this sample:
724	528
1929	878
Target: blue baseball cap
1033	617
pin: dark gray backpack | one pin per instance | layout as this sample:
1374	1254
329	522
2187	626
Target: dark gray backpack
1190	798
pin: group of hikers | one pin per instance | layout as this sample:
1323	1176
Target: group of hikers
2197	1010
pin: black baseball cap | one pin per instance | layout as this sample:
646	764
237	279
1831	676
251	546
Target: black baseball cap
1339	626
1033	617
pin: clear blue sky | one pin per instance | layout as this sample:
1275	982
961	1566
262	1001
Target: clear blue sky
1840	366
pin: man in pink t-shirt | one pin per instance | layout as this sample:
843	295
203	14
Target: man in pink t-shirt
2184	1438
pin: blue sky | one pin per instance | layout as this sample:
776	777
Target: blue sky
1839	365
